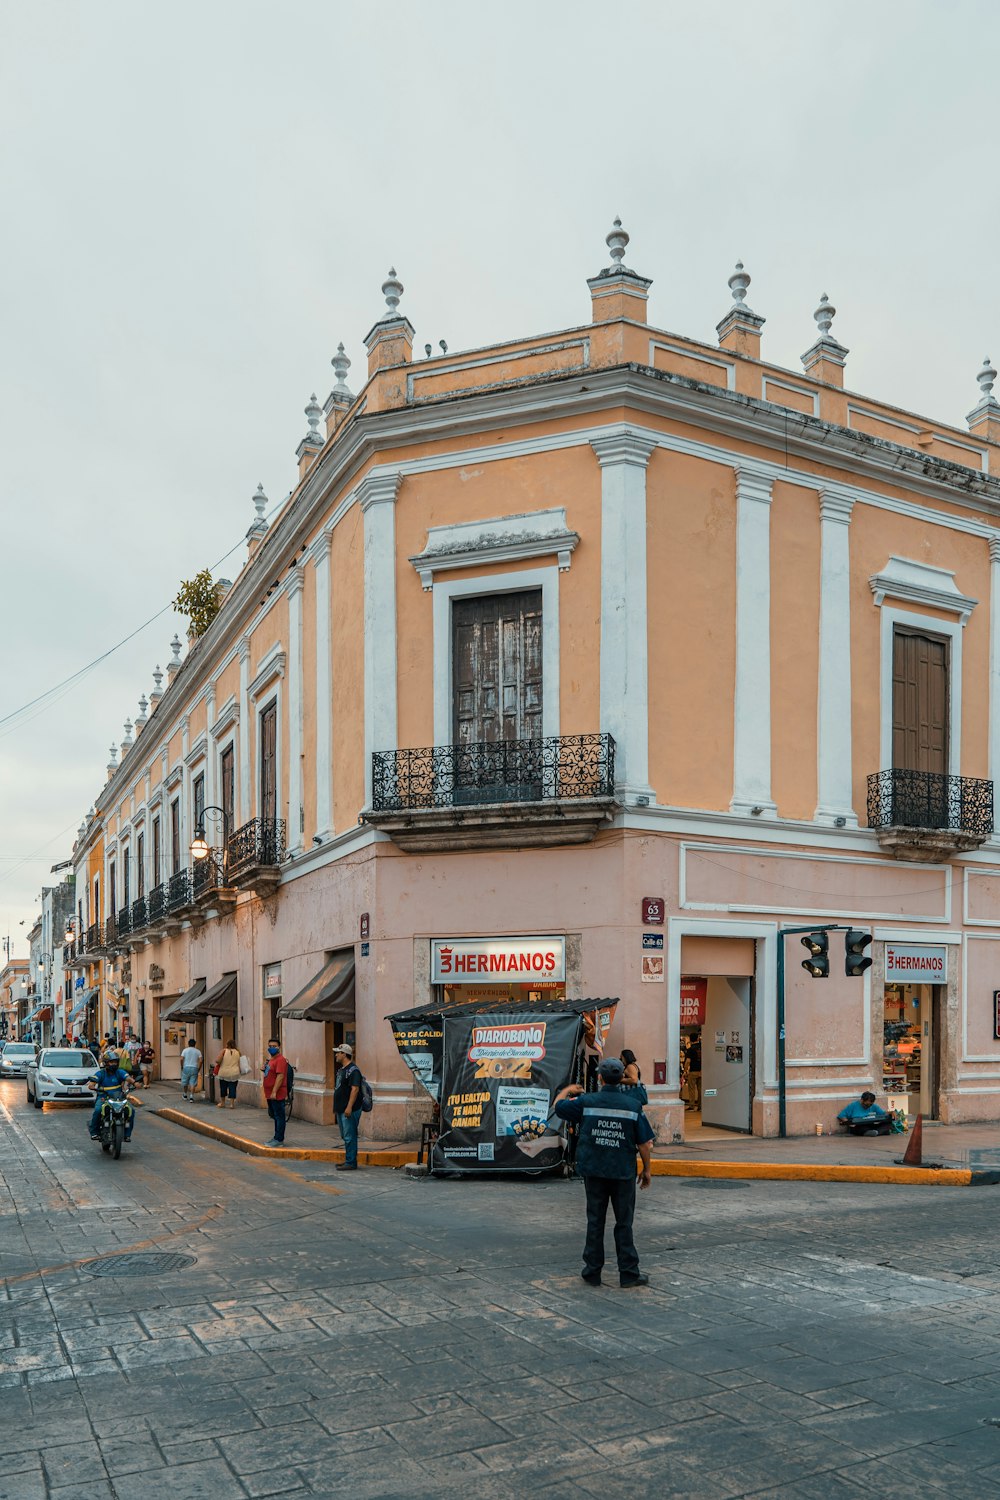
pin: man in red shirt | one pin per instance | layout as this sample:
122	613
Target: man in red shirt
276	1089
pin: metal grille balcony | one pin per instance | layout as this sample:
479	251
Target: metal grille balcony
139	918
93	938
441	776
258	845
69	954
124	921
156	904
926	815
208	874
111	932
179	892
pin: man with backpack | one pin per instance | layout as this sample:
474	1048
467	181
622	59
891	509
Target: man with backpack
351	1095
276	1073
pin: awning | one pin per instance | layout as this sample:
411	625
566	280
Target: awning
183	1009
81	1005
220	1000
329	995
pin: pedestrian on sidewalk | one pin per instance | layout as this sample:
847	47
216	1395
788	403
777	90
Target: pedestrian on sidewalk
190	1068
227	1071
632	1078
346	1104
612	1131
146	1059
275	1069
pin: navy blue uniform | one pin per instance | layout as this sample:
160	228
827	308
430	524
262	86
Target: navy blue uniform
111	1085
612	1127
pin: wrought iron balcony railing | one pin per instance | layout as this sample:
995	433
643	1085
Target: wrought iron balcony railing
931	800
124	921
209	873
111	932
563	766
156	903
93	938
259	844
69	954
139	918
178	892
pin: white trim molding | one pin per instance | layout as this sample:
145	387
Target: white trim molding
501	539
227	717
834	778
624	455
272	666
197	752
377	497
752	705
933	626
994	690
320	556
445	590
920	583
295	586
765	935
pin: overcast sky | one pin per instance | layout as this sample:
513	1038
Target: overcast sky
201	200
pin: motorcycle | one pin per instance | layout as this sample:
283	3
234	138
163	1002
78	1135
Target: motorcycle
116	1115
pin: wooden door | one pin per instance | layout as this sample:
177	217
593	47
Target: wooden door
269	763
228	786
140	866
175	836
156	875
920	713
497	696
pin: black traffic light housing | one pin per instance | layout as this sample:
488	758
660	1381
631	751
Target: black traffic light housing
856	960
818	963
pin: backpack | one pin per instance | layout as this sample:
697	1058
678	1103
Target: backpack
289	1080
365	1098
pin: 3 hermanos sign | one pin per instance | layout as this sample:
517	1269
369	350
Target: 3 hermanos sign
915	965
466	960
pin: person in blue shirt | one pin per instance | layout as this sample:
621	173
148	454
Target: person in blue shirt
612	1131
110	1082
864	1117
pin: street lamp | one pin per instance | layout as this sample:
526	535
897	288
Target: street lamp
199	844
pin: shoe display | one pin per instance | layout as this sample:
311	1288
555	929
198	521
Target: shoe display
635	1281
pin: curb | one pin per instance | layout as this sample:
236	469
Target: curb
769	1171
390	1158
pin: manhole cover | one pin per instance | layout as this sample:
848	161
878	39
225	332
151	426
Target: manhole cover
139	1265
712	1182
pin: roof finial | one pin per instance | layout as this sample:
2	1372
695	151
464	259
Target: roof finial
738	283
314	413
175	646
392	290
157	679
986	377
127	741
113	755
143	706
616	242
824	315
341	365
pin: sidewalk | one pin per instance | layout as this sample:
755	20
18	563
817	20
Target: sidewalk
954	1155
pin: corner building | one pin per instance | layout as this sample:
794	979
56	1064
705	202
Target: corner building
584	664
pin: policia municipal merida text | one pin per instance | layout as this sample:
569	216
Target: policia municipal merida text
612	1131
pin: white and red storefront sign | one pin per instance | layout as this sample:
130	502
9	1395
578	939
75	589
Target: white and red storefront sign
694	993
527	960
915	965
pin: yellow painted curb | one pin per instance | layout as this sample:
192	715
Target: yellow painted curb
771	1171
388	1158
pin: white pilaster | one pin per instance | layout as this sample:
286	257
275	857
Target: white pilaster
835	783
294	586
752	720
244	798
377	498
187	832
624	696
213	824
994	544
319	552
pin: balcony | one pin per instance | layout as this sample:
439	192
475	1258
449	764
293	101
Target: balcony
156	908
179	899
123	922
925	816
138	918
254	854
506	795
210	882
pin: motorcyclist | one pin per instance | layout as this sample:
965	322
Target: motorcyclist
111	1082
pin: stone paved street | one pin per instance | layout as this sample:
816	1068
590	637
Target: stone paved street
376	1336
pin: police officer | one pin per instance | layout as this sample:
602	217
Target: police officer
612	1131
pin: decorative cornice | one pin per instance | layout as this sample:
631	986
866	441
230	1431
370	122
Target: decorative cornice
827	349
295	582
473	544
993	542
753	484
835	505
379	487
740	317
919	583
198	751
273	666
174	776
318	552
244	649
229	714
624	447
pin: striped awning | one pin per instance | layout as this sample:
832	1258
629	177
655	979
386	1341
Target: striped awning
184	1009
329	995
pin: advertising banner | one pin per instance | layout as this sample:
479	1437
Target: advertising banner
419	1043
501	1071
523	960
694	994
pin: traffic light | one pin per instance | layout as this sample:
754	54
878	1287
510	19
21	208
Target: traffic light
856	960
818	962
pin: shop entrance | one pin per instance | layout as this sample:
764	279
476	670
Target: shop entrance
716	1052
911	1048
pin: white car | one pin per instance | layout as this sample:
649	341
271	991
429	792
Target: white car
16	1059
60	1073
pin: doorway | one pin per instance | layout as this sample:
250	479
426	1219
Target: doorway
911	1048
716	1053
496	653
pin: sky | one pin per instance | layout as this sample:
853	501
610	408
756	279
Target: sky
201	200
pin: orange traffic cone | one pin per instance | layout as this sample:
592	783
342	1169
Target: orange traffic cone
913	1156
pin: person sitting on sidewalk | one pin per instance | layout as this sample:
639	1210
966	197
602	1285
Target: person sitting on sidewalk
864	1117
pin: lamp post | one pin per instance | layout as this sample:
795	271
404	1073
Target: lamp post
199	844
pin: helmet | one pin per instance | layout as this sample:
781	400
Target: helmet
111	1059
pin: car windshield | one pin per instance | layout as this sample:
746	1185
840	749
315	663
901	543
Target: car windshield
68	1059
19	1049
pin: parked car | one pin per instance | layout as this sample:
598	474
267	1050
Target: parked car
16	1059
60	1073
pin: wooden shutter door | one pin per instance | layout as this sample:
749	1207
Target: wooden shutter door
157	876
175	837
497	706
268	763
227	787
919	703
